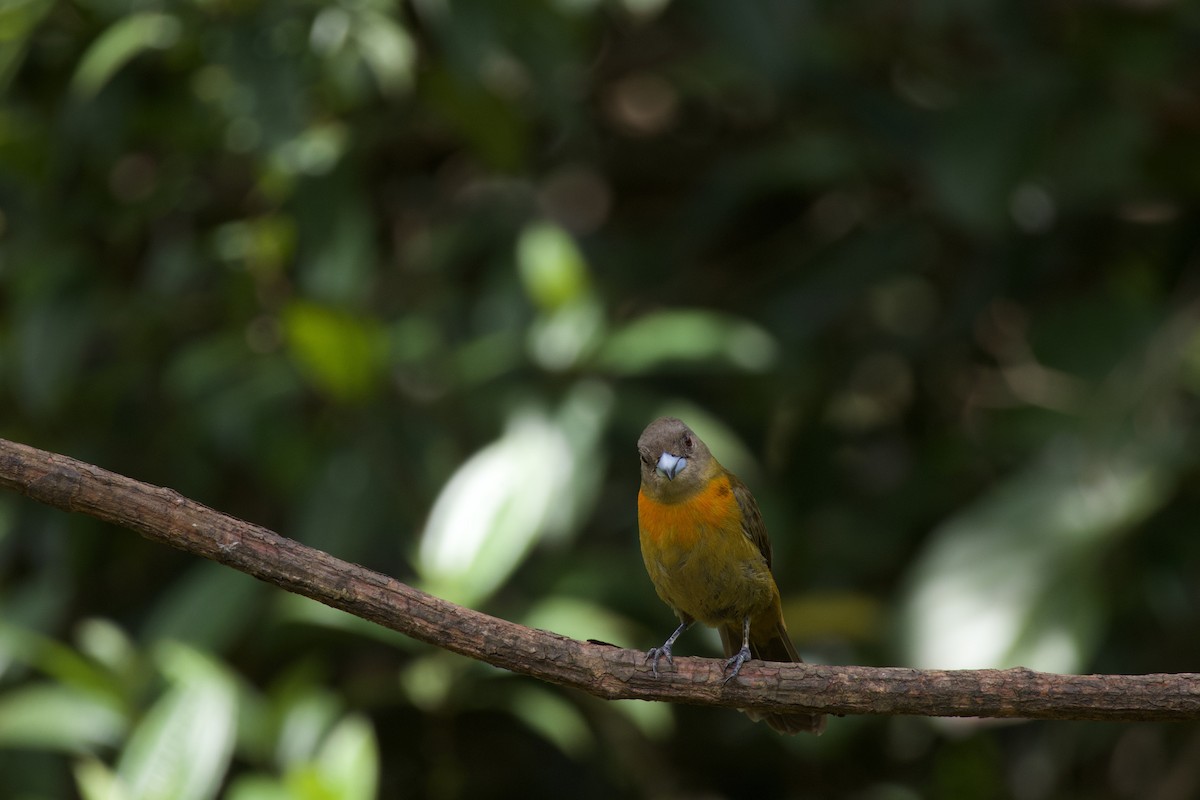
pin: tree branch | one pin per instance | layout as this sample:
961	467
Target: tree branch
598	669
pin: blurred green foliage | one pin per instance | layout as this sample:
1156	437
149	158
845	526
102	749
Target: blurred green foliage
405	282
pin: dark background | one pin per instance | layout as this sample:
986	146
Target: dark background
406	281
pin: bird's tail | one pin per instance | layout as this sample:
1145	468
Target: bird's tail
773	644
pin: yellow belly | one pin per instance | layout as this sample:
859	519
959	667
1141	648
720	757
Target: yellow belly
701	562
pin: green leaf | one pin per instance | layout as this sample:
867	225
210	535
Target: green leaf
304	722
579	619
96	781
1011	581
182	748
18	19
551	266
315	151
494	508
205	607
119	45
429	680
529	484
555	277
106	643
258	787
264	245
341	354
57	717
561	338
348	762
554	718
64	664
687	337
654	720
388	51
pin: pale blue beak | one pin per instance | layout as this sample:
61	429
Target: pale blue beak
670	465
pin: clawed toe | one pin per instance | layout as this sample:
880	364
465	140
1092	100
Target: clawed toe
655	654
735	662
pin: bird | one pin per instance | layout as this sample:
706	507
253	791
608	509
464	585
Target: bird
706	550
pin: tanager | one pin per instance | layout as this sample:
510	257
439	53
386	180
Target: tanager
706	548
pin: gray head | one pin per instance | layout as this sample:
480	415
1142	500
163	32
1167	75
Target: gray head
675	461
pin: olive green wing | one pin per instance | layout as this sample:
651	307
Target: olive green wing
752	521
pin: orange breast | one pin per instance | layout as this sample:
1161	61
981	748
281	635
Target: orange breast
700	560
679	524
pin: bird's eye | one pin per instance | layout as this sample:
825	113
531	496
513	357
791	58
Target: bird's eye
687	442
645	458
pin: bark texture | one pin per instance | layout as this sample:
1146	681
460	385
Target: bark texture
599	669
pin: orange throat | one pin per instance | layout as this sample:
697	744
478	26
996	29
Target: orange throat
680	522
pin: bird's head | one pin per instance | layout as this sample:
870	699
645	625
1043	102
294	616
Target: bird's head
675	461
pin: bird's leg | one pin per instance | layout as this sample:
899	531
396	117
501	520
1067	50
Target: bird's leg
658	652
741	656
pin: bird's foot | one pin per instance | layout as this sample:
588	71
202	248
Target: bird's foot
656	653
735	663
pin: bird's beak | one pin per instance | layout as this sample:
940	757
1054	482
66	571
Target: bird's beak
670	465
